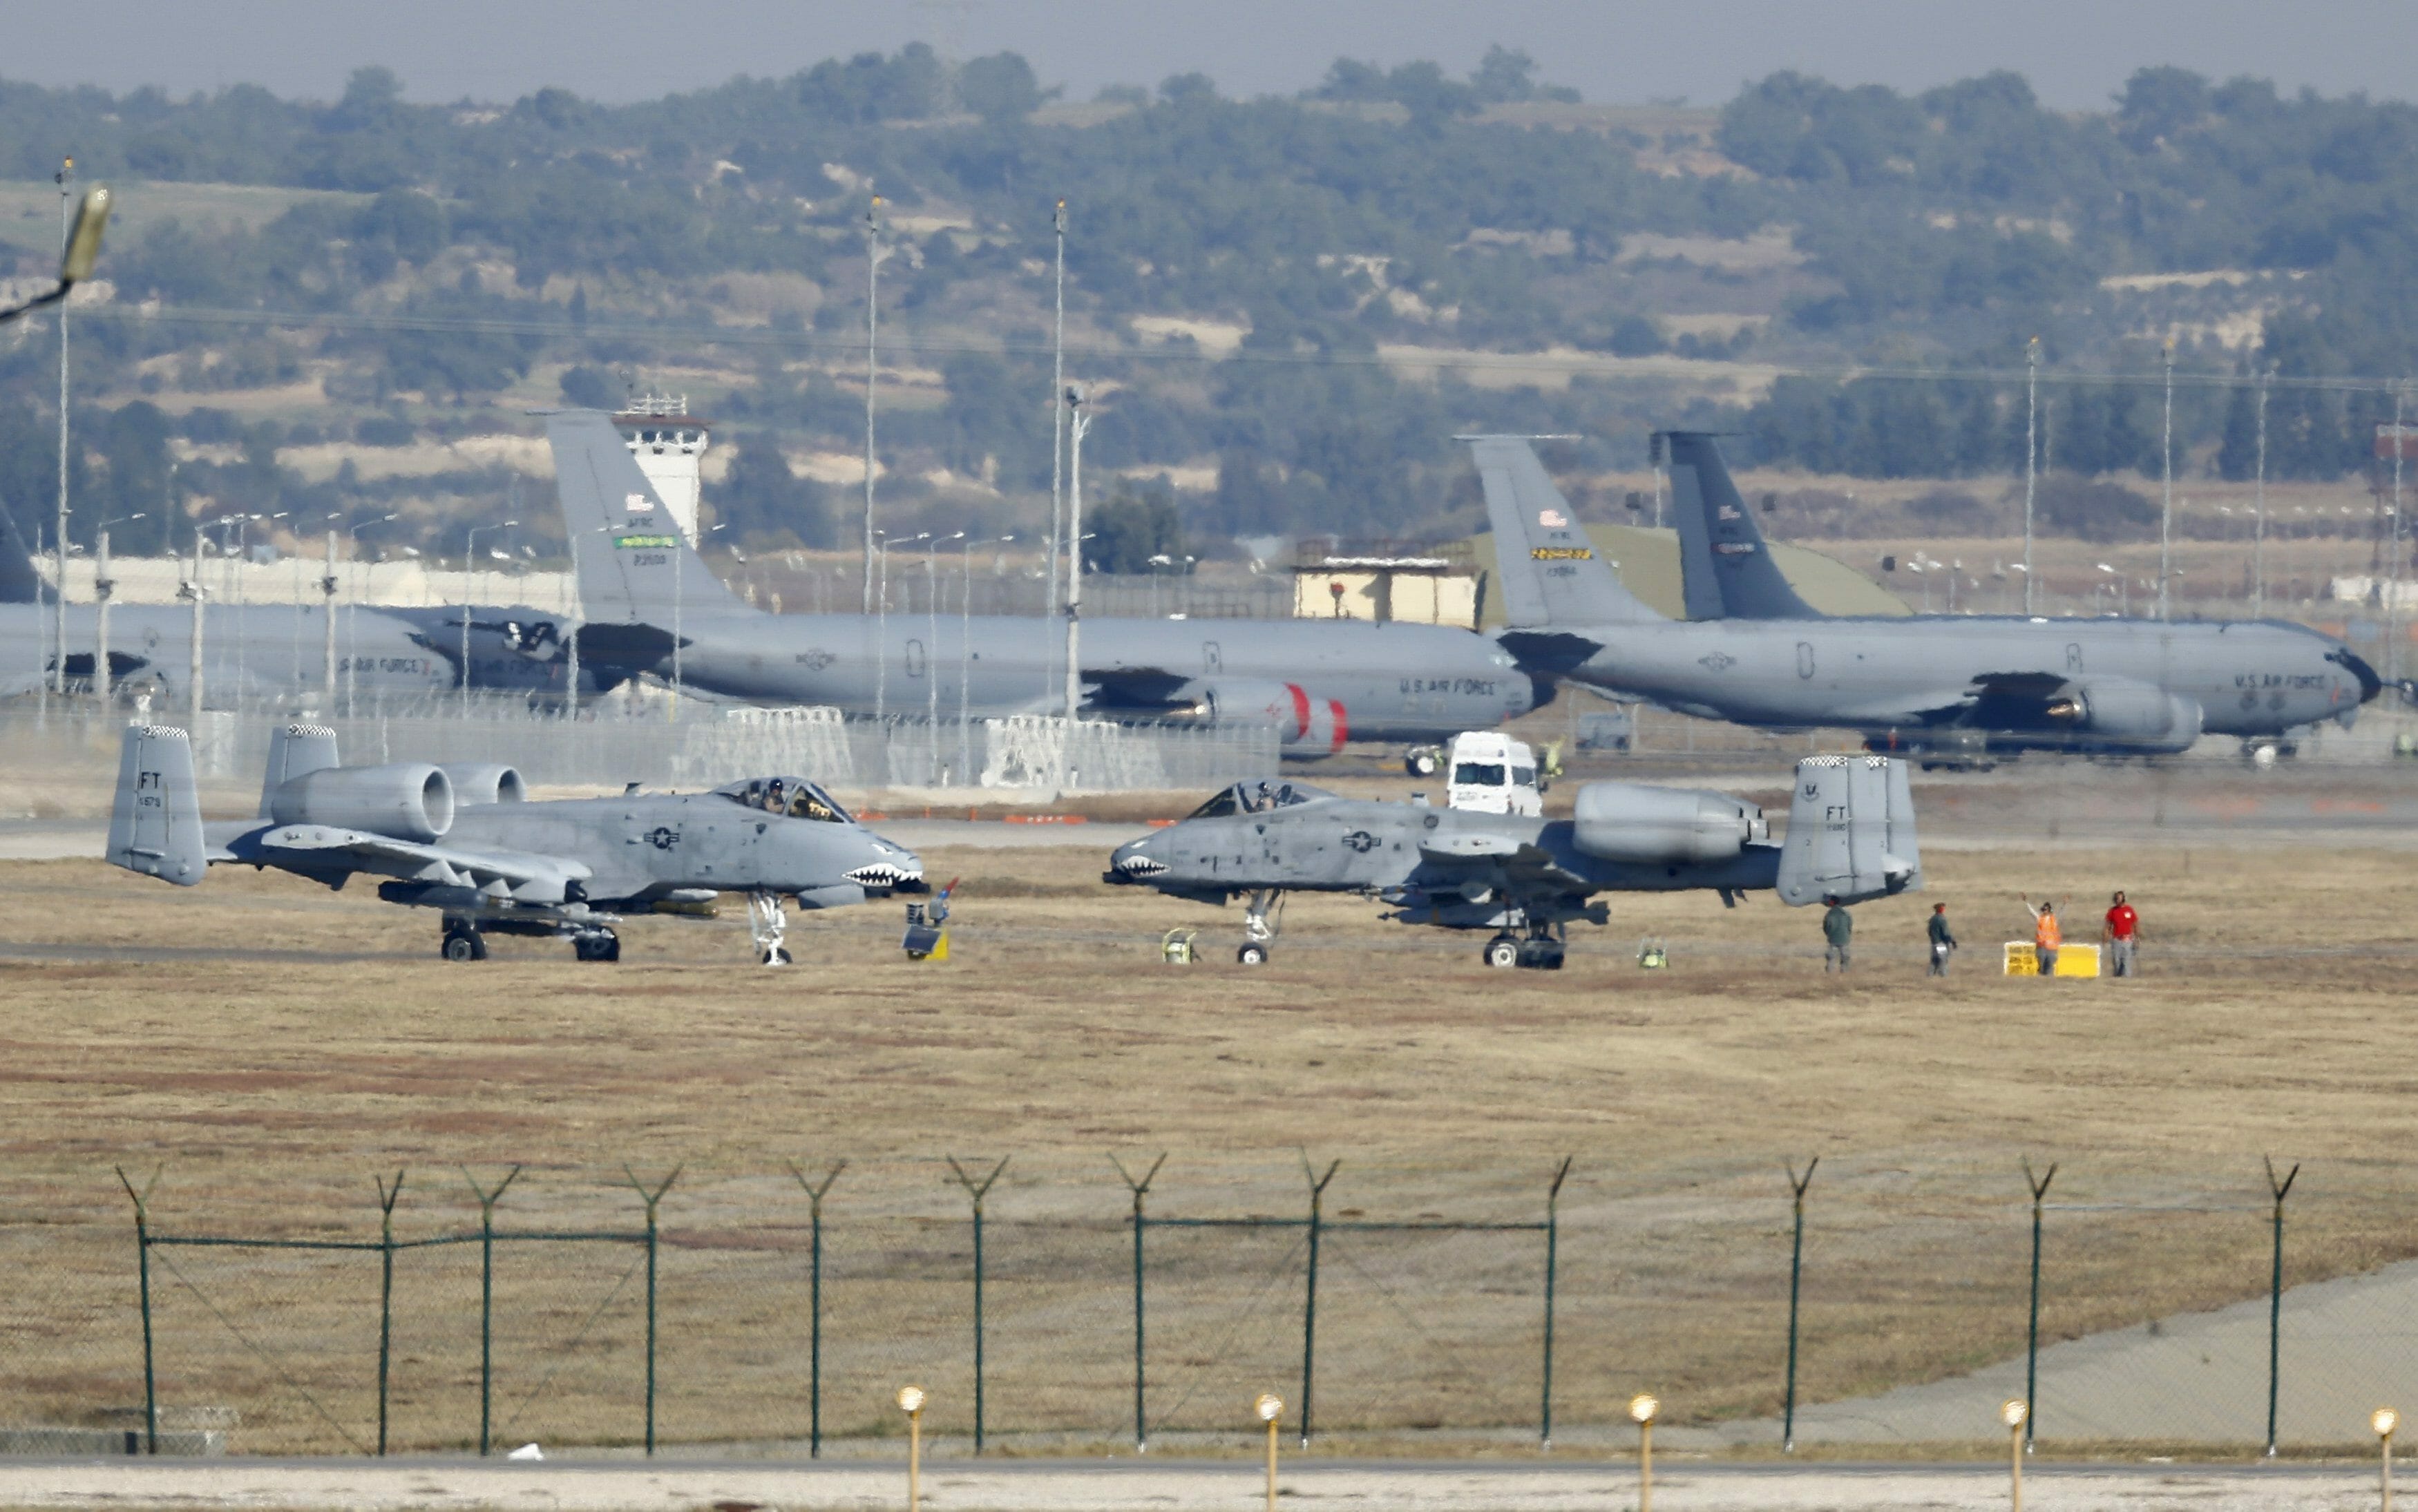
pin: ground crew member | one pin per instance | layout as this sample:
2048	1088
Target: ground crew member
1837	927
2118	931
2046	935
1941	941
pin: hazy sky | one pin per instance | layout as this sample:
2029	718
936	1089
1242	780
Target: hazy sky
2076	52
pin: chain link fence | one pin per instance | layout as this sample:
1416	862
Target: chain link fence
1050	1303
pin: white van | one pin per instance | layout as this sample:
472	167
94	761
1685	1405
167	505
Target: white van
1490	772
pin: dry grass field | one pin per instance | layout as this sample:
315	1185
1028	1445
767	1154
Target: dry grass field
267	1046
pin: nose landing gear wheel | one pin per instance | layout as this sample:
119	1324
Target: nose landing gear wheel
1253	954
777	955
1502	951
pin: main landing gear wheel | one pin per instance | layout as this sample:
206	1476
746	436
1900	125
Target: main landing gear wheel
1425	761
1502	951
1253	954
462	943
777	955
603	945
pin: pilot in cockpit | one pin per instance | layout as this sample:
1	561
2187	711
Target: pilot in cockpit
774	797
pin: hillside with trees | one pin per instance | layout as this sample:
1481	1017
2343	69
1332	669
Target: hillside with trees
1285	307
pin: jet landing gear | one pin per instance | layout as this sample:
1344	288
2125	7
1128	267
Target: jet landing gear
462	941
768	922
1259	932
1540	951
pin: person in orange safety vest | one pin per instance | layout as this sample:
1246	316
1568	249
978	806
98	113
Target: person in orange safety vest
2046	935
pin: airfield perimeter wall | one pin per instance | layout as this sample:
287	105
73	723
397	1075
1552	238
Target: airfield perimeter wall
1409	1304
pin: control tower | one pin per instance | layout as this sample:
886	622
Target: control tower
669	444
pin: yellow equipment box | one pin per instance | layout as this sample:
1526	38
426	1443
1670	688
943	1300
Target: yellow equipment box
2072	961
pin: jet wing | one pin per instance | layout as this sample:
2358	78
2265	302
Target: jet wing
517	873
1522	866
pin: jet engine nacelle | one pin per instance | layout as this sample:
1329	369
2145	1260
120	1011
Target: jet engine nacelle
1306	724
1627	822
407	801
483	782
2132	713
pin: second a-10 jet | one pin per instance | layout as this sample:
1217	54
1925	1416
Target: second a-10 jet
654	606
1952	689
462	840
1523	877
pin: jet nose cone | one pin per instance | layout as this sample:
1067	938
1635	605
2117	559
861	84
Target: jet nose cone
1134	862
893	869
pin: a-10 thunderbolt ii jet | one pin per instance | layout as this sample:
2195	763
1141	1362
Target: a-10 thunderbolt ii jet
1525	878
463	840
1952	689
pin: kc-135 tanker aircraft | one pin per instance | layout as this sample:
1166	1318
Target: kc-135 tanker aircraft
1950	688
1318	680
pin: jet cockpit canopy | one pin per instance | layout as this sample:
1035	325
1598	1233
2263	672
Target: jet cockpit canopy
793	796
1257	796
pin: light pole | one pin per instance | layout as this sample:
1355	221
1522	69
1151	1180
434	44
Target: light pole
872	350
2031	457
103	587
932	647
2167	509
1269	1410
1643	1409
1057	427
1079	427
879	541
2384	1420
2014	1413
2258	546
911	1402
965	655
469	553
193	590
66	177
2392	571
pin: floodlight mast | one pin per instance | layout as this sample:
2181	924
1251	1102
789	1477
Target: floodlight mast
872	352
1078	428
59	537
1057	430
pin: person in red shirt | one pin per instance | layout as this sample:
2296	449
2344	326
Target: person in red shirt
2118	931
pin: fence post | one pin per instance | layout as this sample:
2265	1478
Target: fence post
2032	1339
487	1297
1140	1189
1795	1271
978	1190
1553	1253
1310	1295
814	1304
2275	1297
387	1196
142	1272
650	1196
